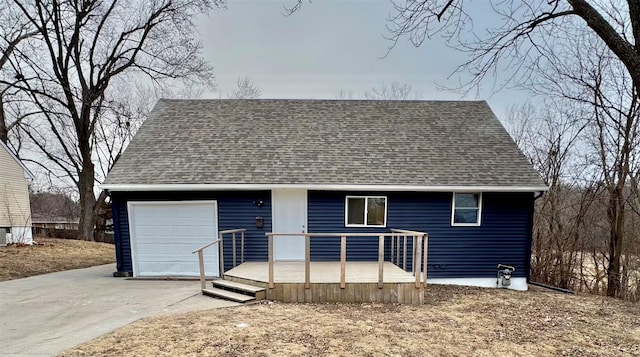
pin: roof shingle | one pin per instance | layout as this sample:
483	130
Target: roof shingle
330	142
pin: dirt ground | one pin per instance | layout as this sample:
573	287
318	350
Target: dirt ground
50	255
455	321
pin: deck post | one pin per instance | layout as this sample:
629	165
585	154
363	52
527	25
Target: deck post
380	261
404	259
233	248
398	249
307	261
417	262
426	250
241	246
270	254
392	246
201	264
343	259
413	256
221	253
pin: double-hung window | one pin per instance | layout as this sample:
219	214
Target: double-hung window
466	209
365	211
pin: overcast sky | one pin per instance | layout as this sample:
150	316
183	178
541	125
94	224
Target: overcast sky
327	47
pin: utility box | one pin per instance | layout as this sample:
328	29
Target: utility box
504	275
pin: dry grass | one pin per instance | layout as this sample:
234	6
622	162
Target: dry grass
455	322
51	255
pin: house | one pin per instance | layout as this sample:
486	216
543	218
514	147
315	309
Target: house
15	210
50	224
447	168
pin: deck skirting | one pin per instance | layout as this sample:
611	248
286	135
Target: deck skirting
361	283
403	293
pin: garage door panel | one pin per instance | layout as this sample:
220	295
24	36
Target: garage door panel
149	250
192	232
160	250
164	234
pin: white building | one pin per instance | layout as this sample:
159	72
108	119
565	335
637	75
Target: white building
15	209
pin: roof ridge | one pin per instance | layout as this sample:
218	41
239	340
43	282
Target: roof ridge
321	100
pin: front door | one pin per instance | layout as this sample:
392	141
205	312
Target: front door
289	209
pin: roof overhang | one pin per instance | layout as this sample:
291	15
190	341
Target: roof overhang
317	187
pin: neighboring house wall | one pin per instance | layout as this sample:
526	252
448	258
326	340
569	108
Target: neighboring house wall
235	210
15	210
454	252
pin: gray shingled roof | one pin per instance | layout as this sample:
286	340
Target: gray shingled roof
332	142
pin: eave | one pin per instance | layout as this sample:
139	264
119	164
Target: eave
322	187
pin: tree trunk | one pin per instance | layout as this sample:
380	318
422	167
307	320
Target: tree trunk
102	212
616	234
4	130
87	200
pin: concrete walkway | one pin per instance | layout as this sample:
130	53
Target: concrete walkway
47	314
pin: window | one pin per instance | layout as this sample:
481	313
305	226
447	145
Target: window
366	211
466	209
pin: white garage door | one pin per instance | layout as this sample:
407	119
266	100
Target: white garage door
163	235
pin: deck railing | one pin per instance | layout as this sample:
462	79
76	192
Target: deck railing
234	248
416	258
220	242
420	239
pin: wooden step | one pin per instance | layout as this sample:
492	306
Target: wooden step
232	285
227	295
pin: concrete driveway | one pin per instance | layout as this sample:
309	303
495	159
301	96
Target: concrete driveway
47	314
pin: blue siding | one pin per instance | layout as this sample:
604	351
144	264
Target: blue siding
121	234
117	232
235	210
454	252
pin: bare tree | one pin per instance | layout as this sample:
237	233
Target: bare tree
515	37
593	78
87	46
594	84
512	43
52	204
245	90
616	131
550	137
392	91
116	125
13	32
344	94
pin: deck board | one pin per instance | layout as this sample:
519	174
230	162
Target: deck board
321	272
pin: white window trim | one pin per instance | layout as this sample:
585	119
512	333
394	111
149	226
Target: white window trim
453	211
366	211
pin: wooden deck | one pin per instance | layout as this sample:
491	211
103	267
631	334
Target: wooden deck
321	272
361	282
